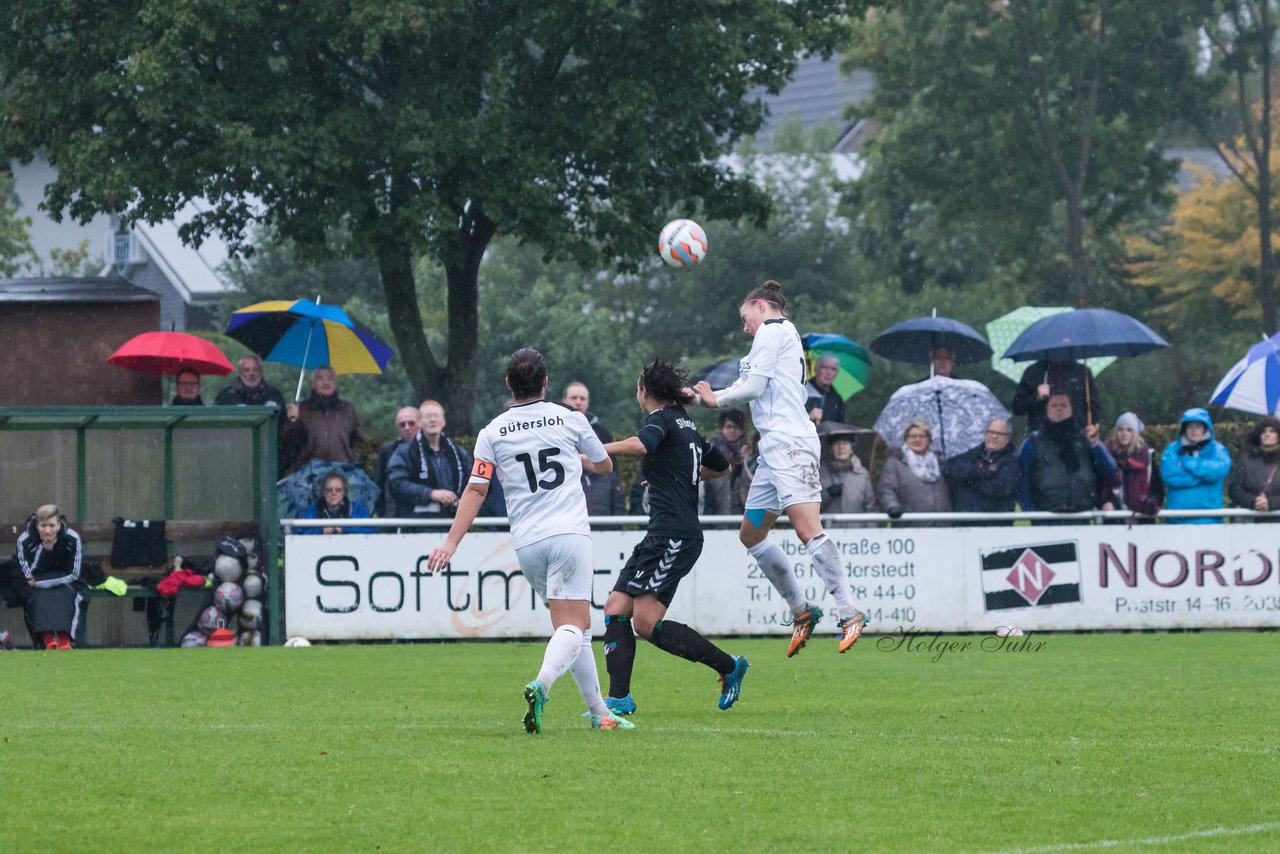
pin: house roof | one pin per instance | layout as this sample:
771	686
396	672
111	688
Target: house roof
73	289
194	273
818	94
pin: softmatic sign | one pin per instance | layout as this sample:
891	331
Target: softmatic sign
939	579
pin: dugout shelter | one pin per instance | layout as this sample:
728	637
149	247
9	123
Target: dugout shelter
207	471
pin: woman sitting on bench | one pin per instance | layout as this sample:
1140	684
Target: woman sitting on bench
49	554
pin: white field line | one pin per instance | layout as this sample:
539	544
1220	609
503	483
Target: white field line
1210	833
1075	742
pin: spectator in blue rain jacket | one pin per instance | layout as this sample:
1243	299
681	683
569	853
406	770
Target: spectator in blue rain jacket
1194	468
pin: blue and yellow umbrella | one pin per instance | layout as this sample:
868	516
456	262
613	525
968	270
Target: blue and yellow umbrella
307	335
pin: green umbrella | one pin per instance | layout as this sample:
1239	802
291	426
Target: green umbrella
1002	331
855	364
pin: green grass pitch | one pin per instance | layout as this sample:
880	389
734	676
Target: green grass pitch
1165	742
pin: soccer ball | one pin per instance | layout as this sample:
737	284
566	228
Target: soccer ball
228	597
250	547
297	642
227	568
251	615
249	637
191	640
254	586
682	243
210	618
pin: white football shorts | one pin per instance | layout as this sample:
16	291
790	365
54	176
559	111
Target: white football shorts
786	474
559	567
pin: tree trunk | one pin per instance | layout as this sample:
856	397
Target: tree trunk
454	383
395	269
1081	280
462	274
1266	258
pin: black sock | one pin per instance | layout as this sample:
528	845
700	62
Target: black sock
679	639
619	653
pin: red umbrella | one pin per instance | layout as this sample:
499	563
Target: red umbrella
168	353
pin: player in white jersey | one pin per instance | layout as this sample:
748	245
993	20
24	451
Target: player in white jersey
537	450
786	480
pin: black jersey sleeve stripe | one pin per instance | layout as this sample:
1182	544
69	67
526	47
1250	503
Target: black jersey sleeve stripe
652	434
712	458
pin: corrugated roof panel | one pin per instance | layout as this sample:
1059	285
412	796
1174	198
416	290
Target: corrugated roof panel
73	289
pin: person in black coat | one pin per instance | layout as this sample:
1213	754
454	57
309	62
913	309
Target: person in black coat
1043	378
406	429
49	555
427	474
604	494
249	388
986	478
823	402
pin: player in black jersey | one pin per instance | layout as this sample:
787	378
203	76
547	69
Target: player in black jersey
676	458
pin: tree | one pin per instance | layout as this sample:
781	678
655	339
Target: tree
1009	127
417	127
1203	263
15	242
1242	37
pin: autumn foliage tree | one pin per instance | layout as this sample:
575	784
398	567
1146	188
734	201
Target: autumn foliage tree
1205	262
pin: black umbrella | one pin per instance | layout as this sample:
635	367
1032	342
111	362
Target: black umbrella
720	375
914	341
1083	333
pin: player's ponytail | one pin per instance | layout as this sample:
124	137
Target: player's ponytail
770	291
526	373
664	382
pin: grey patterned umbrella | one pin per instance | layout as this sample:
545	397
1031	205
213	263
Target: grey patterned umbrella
958	411
302	488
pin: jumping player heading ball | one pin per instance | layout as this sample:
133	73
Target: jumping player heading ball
786	480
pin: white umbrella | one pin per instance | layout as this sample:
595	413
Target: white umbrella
957	410
1253	383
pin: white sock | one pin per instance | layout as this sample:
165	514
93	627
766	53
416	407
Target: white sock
777	569
826	557
562	649
587	677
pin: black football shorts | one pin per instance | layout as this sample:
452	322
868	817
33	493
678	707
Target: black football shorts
656	566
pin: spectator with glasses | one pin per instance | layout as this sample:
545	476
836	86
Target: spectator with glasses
406	428
188	388
333	503
911	480
985	478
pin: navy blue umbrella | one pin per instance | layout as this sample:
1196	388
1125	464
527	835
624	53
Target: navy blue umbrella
914	341
720	375
1081	334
